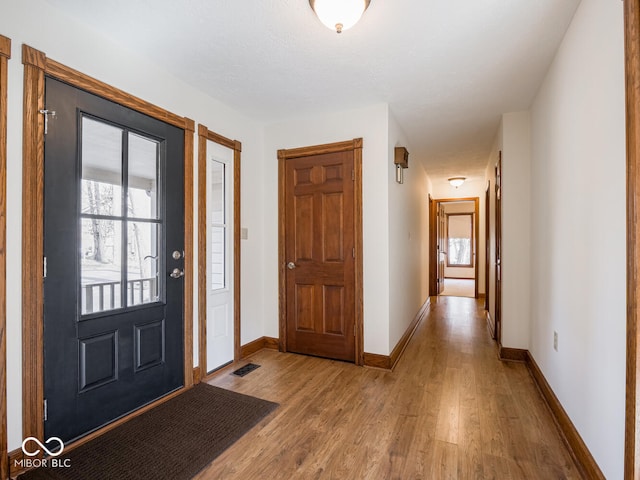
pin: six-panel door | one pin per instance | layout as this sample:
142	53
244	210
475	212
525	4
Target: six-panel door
319	250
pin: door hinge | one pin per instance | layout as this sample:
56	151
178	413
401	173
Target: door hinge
353	252
353	175
44	267
45	409
46	114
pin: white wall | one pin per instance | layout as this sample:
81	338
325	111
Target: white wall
578	229
37	24
372	124
408	235
516	214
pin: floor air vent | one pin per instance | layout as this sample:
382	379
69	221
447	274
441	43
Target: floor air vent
248	368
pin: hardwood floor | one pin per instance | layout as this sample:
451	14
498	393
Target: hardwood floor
450	410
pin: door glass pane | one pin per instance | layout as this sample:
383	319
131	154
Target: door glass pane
217	193
103	268
100	260
142	263
143	177
217	206
218	251
101	168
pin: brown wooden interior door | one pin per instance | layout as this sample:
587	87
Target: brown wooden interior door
433	247
498	300
442	246
319	252
487	244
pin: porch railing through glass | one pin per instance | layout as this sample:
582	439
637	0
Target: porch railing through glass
98	297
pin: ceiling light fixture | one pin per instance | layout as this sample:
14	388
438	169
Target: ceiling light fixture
339	15
456	181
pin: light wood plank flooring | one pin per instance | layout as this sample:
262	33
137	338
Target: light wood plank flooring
450	410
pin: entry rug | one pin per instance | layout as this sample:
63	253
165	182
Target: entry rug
172	441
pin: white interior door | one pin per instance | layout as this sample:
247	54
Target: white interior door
220	295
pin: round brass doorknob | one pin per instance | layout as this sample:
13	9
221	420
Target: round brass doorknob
176	273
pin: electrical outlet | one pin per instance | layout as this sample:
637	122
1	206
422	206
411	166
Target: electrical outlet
555	341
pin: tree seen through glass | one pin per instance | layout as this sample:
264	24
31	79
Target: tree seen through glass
104	226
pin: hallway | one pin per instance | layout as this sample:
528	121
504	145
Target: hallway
450	410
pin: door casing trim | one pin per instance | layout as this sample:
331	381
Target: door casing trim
205	134
354	145
5	55
36	66
632	95
433	208
487	244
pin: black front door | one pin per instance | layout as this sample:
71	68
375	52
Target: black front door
113	290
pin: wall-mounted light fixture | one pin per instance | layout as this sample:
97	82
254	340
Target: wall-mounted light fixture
456	181
339	15
401	160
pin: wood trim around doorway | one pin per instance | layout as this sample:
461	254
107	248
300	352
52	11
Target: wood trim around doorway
205	134
632	81
433	260
487	244
36	66
283	155
5	55
433	241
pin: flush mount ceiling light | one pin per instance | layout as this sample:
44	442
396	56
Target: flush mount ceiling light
339	15
456	181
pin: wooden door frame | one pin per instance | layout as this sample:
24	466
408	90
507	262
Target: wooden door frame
497	320
36	66
433	254
487	243
205	134
354	145
432	235
632	91
5	55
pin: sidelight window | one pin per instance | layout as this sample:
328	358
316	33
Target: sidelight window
218	227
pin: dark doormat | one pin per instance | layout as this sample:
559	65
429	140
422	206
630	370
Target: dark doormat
173	441
248	368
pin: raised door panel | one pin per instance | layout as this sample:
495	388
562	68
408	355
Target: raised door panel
303	230
305	308
333	227
333	309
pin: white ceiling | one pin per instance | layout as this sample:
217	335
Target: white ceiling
447	68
